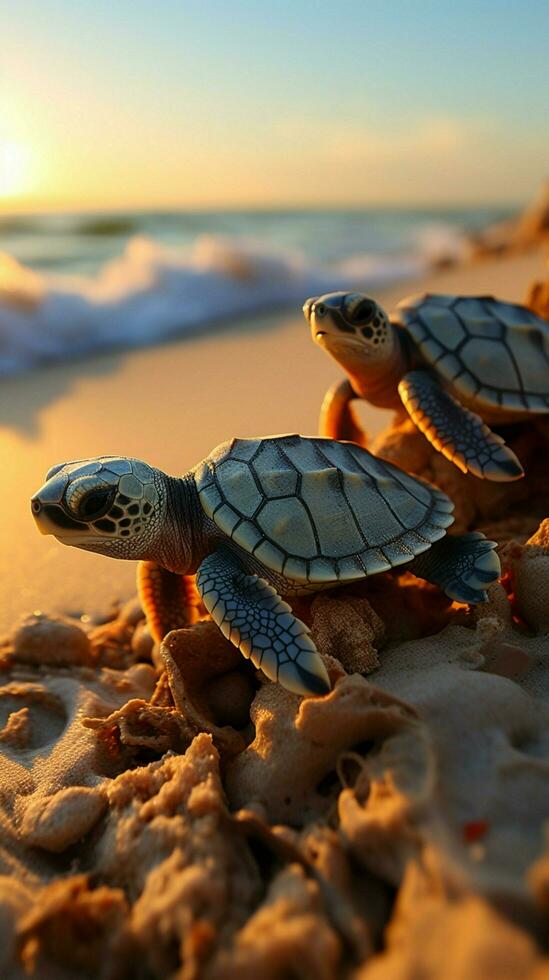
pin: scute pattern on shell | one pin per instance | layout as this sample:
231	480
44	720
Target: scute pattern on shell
319	511
494	352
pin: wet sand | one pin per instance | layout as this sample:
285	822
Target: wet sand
170	405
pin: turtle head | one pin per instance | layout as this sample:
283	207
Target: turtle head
112	505
351	327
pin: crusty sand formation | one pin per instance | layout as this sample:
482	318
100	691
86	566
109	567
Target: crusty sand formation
537	296
170	813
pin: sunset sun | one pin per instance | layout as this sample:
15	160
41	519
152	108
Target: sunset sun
15	168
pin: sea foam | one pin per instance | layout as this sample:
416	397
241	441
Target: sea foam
153	291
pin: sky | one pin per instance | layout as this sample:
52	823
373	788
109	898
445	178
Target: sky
227	103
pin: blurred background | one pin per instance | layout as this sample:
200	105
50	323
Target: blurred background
165	166
179	177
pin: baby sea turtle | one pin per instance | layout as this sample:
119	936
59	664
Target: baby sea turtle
448	358
259	519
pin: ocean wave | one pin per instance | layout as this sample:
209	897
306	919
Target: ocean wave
439	242
16	224
106	226
152	292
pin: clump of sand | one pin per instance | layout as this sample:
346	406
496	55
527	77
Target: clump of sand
537	297
523	231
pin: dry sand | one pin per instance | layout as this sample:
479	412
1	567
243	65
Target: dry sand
169	405
172	815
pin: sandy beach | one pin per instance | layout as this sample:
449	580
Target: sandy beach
170	405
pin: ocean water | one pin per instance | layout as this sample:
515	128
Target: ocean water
72	284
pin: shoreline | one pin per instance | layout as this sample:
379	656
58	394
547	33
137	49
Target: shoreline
156	403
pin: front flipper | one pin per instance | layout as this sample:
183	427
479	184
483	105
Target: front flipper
337	418
463	566
456	432
169	601
254	618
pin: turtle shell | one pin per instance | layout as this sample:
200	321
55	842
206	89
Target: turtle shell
319	511
492	353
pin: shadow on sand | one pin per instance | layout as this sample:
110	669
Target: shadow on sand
23	396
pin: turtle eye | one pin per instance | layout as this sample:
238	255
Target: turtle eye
359	311
95	504
320	309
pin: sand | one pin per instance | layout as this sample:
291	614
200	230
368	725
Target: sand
169	405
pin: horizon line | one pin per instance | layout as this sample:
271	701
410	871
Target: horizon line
265	208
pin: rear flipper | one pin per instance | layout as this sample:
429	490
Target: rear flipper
462	566
337	418
169	601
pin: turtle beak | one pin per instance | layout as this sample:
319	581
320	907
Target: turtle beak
318	316
37	510
307	307
52	519
47	507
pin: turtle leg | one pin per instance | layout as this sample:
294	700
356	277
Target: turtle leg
462	566
251	614
337	419
169	601
456	432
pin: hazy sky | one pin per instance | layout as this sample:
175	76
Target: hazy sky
226	102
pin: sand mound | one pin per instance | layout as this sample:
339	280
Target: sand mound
527	229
